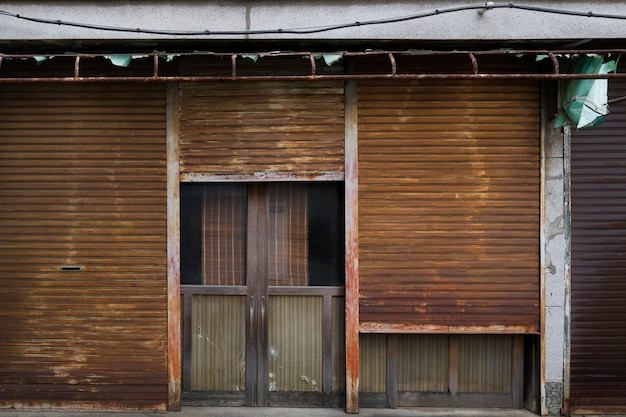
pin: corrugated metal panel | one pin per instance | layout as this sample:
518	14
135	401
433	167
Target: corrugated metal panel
83	177
268	130
449	180
598	341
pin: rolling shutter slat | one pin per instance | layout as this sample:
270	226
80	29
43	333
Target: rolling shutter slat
83	176
449	181
598	340
266	129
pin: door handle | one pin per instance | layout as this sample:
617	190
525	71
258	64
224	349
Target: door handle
251	308
263	309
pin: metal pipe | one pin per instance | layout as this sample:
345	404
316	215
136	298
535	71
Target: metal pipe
357	53
555	62
77	67
393	64
472	55
617	100
155	64
318	77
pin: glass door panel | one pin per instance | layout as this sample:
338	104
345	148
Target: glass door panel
288	235
213	234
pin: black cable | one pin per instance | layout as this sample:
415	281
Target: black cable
318	29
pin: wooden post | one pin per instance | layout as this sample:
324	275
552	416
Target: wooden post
187	340
453	364
327	343
352	245
173	251
517	371
392	371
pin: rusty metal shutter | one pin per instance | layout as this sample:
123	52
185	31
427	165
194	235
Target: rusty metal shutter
598	317
449	182
264	130
83	267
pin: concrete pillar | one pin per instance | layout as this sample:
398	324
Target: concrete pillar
556	268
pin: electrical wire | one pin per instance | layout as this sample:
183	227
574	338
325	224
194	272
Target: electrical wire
317	29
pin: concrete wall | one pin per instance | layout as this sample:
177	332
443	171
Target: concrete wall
233	15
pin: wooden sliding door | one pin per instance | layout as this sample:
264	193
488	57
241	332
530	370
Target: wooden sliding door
262	273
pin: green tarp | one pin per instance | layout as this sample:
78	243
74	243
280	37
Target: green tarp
584	102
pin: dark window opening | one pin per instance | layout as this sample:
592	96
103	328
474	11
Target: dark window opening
305	234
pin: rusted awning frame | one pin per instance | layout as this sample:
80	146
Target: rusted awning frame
472	56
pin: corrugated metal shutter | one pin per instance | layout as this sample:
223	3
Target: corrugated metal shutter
449	181
598	318
265	130
83	172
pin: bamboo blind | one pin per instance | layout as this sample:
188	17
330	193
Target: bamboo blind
224	235
288	235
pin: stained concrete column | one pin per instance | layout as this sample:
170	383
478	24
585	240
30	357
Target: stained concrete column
556	267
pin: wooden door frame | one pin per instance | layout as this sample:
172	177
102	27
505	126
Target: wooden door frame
175	351
256	304
258	293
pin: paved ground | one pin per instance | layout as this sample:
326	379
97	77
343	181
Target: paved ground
284	412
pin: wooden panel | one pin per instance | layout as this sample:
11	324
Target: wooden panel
218	343
83	261
598	341
449	181
338	381
485	363
265	130
372	362
295	343
423	363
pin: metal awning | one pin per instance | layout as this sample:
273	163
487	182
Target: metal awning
473	58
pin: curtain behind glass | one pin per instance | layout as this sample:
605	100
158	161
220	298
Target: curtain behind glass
288	235
224	215
224	220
